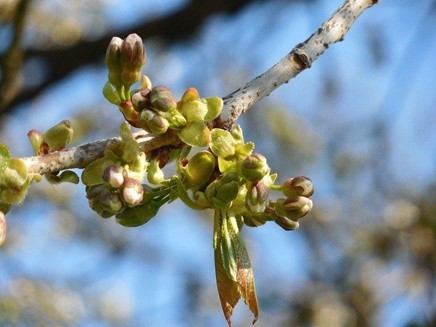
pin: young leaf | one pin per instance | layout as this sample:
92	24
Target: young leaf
195	134
227	289
5	156
229	246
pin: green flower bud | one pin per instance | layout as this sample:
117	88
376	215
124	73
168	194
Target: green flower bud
113	62
158	125
153	122
195	134
141	99
256	199
94	195
162	99
36	139
200	168
59	136
132	59
221	192
94	192
155	174
254	167
114	175
3	227
293	207
111	202
299	185
132	192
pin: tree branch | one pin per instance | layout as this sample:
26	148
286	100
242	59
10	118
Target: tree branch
236	103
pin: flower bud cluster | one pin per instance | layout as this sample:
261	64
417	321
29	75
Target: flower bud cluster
297	203
229	176
158	111
225	175
116	193
124	60
154	109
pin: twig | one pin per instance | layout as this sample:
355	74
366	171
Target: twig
236	103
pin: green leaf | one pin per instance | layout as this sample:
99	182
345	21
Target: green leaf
233	269
129	144
195	134
5	156
214	108
228	250
139	215
111	94
222	143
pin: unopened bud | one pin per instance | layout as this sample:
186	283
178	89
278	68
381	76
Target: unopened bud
114	175
254	167
257	196
293	207
299	185
141	99
132	59
200	168
254	220
36	139
3	227
132	192
112	203
113	61
153	122
162	99
286	223
221	192
59	136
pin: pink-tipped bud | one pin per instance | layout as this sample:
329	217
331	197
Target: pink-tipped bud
3	227
132	192
300	185
114	175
